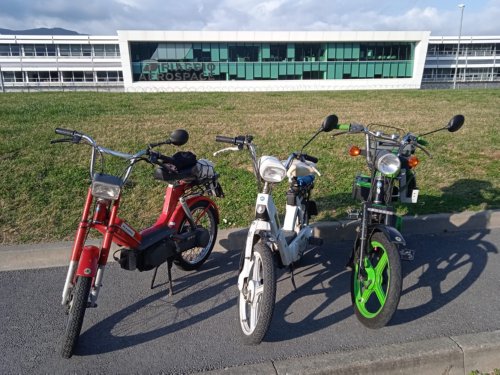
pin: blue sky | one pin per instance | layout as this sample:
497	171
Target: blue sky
104	17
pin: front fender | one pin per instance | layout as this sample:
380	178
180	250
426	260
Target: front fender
392	233
253	237
87	266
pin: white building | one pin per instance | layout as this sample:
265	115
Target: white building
246	61
59	62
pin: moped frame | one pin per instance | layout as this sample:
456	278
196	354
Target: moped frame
90	261
270	231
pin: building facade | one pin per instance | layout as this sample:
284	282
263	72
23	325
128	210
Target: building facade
477	61
60	62
267	61
246	61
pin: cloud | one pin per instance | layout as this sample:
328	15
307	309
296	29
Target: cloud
106	16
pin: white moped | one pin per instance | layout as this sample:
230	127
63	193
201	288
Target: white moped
267	241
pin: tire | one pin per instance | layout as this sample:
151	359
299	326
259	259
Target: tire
376	299
76	313
256	301
204	215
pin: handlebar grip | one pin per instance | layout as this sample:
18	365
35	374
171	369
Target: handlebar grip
221	138
66	132
343	127
422	141
310	158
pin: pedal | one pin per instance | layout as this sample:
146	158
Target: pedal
315	241
407	254
353	215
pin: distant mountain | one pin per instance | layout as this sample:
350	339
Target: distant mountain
39	31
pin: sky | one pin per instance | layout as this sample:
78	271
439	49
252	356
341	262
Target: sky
105	17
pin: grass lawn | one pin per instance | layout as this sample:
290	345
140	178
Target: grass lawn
43	186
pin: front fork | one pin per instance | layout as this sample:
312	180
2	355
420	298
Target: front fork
89	261
392	234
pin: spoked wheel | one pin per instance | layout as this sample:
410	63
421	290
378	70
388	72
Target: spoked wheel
205	216
76	313
376	289
256	301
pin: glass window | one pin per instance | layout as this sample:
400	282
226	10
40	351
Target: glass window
86	50
15	49
113	76
102	76
41	50
8	77
51	50
5	50
29	50
110	49
88	76
78	76
44	76
76	50
64	50
243	52
98	50
67	76
12	76
32	76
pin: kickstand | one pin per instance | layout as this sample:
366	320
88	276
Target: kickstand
154	278
292	277
169	273
171	285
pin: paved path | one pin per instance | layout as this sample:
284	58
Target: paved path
447	320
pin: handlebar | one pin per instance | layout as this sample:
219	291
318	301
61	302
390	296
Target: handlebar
66	132
310	158
240	140
224	139
74	136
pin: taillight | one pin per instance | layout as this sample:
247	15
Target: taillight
354	151
413	161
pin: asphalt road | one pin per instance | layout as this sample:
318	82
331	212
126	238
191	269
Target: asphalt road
449	289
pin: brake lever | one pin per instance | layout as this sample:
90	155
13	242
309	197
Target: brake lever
60	140
423	149
232	148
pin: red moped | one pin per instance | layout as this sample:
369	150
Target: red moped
184	233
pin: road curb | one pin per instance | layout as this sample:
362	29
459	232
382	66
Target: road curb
445	355
31	256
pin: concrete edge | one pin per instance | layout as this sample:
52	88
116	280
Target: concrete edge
445	355
31	256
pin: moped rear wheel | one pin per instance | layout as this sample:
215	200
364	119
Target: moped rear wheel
76	313
376	290
256	300
205	216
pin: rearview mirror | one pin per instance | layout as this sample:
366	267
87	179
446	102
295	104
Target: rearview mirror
329	123
455	123
179	137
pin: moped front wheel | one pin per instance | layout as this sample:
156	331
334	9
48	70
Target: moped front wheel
76	313
256	300
376	288
205	216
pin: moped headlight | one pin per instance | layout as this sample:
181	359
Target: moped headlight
388	164
106	186
271	169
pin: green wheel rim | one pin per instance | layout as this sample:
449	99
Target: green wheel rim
370	295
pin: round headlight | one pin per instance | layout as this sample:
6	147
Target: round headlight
271	169
388	164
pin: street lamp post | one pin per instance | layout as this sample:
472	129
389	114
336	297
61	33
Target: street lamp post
461	6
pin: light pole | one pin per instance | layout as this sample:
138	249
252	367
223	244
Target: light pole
461	6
